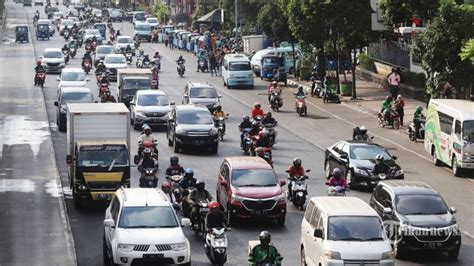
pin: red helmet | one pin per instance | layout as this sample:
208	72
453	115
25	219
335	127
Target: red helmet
165	185
213	205
38	62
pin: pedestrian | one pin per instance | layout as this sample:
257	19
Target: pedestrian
219	63
394	82
212	64
400	107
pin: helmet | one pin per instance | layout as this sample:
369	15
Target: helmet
147	152
261	134
274	82
265	235
146	127
166	186
213	205
379	157
419	109
269	114
363	130
300	88
297	162
38	62
336	172
128	46
188	172
257	105
200	185
174	160
388	98
246	118
219	108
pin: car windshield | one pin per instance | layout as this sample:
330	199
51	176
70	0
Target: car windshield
148	217
100	27
124	40
92	32
143	27
97	12
239	66
115	13
153	100
105	50
420	204
53	9
58	14
68	22
133	84
468	131
73	76
367	152
103	156
43	27
355	228
115	60
270	60
77	97
203	93
53	54
253	178
152	20
194	117
22	29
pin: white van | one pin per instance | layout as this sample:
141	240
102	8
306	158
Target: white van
256	61
236	71
449	133
342	231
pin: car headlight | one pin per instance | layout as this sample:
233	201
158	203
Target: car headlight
179	130
399	172
388	255
280	197
332	255
360	171
236	197
178	246
466	156
125	247
213	131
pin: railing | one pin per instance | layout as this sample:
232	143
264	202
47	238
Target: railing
390	53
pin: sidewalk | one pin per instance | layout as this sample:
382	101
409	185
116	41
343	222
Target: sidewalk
369	97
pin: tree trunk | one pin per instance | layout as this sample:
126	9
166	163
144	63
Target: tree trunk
353	68
336	52
321	65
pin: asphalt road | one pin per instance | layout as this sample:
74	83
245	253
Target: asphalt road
305	138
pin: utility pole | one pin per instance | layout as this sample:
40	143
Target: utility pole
236	18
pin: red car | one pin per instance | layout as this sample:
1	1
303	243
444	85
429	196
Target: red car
247	187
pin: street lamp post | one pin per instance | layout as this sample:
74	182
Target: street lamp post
236	18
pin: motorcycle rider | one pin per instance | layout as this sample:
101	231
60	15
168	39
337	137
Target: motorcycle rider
360	133
86	56
293	171
268	119
336	179
300	92
197	195
108	98
380	167
215	218
262	140
385	110
188	181
38	69
273	87
217	114
128	49
418	119
100	68
147	162
201	56
257	110
145	59
157	55
244	124
146	136
65	49
166	187
174	168
264	252
104	79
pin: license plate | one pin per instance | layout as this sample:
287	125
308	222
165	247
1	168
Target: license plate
433	245
104	196
204	209
260	212
153	256
198	142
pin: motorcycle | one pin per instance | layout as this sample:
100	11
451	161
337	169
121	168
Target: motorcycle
88	47
128	57
316	89
199	225
157	63
154	78
203	65
144	145
87	66
413	135
269	130
66	56
220	124
216	246
276	102
93	46
265	262
393	119
265	153
299	190
40	78
150	179
181	69
301	106
66	34
73	52
247	142
176	187
329	96
336	191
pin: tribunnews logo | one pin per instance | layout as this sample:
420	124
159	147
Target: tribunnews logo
395	229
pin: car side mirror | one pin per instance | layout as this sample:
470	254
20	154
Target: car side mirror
387	210
318	233
68	159
453	210
394	157
344	156
282	182
58	79
219	96
308	170
185	222
109	223
56	103
136	159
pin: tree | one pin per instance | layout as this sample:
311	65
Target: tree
401	11
273	21
162	12
467	51
440	44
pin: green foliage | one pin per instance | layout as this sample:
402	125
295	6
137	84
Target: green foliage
417	80
440	44
273	22
161	11
467	51
401	11
367	62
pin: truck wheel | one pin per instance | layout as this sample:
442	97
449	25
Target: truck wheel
455	167
436	161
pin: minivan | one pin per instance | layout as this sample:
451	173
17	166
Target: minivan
256	62
342	231
236	71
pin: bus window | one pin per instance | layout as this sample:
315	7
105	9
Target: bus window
446	123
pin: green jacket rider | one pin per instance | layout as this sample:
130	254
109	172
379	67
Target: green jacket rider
264	252
418	115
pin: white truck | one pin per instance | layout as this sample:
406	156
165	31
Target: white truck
129	81
253	43
98	150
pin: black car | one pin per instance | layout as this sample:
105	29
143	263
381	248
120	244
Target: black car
416	218
192	125
356	159
70	95
50	11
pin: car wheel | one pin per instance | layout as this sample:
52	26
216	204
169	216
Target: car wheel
436	161
453	254
175	146
105	254
396	124
327	169
455	167
302	257
215	148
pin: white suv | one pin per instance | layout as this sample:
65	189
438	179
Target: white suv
141	226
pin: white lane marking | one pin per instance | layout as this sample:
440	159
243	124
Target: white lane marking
17	185
467	234
67	192
53	189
